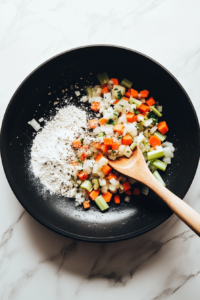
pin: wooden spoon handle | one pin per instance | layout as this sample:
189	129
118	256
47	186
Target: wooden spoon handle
178	206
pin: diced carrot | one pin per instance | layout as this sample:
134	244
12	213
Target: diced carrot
86	204
98	157
107	197
133	93
136	191
95	106
144	94
162	127
77	144
116	199
104	85
83	156
93	123
106	169
83	175
94	194
116	101
75	163
85	147
96	145
102	121
127	140
105	90
135	118
154	141
126	186
124	98
115	81
115	146
128	192
104	148
127	94
110	176
150	101
144	108
130	117
118	128
108	141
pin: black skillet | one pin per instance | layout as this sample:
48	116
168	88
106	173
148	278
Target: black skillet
32	100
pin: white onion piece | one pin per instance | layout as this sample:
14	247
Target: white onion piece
168	152
145	190
170	145
113	181
34	124
167	160
159	108
102	182
127	198
77	93
153	129
104	189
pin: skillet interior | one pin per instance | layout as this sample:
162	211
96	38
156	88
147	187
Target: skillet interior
58	213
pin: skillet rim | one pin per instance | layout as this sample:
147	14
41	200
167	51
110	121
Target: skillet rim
81	237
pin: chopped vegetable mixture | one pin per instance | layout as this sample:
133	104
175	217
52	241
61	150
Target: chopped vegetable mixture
127	118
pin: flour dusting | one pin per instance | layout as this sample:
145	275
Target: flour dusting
52	153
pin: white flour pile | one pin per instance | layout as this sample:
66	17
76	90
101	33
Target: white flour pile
52	154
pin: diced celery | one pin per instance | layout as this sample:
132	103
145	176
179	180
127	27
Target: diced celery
159	178
100	134
95	183
151	162
160	136
156	111
101	203
159	164
156	154
135	101
133	145
89	91
126	83
103	77
87	185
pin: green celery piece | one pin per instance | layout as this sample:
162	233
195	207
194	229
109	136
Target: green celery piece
159	178
100	134
155	154
151	162
87	185
159	164
95	183
156	111
89	91
160	136
101	203
135	101
103	77
133	145
126	83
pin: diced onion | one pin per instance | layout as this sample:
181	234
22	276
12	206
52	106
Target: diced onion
34	124
145	190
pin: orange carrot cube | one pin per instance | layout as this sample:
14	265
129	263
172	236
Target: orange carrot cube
93	123
106	169
86	204
126	186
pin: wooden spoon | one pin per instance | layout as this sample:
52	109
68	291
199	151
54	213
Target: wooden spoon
136	167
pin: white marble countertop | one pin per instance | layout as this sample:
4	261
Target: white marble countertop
36	263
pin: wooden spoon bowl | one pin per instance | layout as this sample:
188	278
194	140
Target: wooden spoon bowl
136	167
